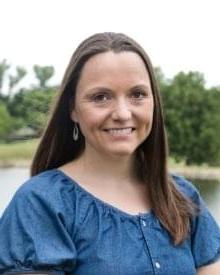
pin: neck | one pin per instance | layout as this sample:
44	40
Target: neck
110	168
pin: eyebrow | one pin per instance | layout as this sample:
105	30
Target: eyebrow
141	86
98	89
105	89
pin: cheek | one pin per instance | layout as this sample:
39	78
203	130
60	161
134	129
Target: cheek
150	111
146	114
88	119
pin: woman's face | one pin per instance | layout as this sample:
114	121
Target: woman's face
114	103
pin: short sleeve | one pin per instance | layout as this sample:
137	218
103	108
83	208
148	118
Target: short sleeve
34	235
205	232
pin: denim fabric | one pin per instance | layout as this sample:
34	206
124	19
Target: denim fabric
53	224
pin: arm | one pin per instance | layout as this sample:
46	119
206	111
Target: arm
36	273
34	233
32	273
213	269
205	233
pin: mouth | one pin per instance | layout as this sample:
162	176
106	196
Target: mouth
120	131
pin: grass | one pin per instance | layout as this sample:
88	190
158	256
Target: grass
203	172
17	153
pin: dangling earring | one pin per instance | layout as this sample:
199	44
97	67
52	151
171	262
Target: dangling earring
75	132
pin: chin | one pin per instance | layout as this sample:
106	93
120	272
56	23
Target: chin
121	152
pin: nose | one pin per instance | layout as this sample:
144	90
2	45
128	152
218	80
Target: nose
121	111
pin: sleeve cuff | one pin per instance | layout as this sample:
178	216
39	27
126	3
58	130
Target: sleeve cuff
35	273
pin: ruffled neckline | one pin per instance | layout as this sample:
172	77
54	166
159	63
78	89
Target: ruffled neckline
144	215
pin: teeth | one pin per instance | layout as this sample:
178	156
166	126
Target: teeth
118	132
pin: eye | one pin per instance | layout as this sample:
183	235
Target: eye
138	94
101	97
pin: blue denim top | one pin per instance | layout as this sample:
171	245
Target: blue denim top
55	226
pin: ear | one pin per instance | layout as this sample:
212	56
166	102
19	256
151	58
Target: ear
73	115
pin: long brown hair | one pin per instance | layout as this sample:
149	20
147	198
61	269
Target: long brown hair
57	146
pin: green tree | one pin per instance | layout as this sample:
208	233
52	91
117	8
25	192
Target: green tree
189	108
210	136
32	107
3	68
160	76
15	79
6	122
43	74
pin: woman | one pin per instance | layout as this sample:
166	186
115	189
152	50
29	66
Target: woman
101	200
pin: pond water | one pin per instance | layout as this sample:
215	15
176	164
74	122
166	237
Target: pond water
12	178
210	191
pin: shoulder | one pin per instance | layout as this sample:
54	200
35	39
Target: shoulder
46	184
48	195
46	192
205	232
186	187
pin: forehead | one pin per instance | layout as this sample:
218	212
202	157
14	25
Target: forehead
114	68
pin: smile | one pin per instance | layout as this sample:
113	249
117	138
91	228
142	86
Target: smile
120	131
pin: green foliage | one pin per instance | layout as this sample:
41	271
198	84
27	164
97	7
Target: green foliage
192	119
43	74
32	107
27	107
162	81
3	68
14	79
6	122
4	98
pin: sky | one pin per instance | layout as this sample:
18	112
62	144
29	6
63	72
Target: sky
177	35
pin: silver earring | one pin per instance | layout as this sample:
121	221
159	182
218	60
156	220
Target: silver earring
75	132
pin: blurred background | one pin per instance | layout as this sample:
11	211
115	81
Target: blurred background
181	37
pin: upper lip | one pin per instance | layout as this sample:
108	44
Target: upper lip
119	128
